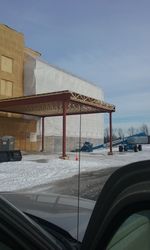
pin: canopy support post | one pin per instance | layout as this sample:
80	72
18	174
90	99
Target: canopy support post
110	133
64	156
43	132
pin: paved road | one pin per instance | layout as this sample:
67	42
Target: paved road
91	184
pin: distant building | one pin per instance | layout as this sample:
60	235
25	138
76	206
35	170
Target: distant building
22	72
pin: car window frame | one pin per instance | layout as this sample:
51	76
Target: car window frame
123	194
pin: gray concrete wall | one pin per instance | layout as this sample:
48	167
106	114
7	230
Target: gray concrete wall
29	75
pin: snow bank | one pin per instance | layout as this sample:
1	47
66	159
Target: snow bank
31	171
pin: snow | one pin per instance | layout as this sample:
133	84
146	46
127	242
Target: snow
38	169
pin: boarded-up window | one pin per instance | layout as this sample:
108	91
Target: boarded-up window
3	87
6	88
9	88
6	64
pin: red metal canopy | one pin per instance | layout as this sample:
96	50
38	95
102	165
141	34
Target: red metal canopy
57	104
51	104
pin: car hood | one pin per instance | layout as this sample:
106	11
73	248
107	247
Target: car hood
60	210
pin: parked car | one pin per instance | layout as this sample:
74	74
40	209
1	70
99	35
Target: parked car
120	219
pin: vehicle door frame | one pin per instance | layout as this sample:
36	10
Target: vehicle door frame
127	191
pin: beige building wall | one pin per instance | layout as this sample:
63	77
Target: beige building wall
11	85
22	134
11	62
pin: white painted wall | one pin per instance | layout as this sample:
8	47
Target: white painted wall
41	77
51	79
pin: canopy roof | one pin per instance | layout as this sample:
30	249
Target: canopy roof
51	104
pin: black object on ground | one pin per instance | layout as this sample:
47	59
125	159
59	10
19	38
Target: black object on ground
11	155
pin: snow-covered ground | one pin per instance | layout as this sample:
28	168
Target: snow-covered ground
40	169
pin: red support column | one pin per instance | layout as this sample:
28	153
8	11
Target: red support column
110	132
43	130
64	156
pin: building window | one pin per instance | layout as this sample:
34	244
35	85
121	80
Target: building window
6	88
6	64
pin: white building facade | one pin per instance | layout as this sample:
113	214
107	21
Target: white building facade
40	77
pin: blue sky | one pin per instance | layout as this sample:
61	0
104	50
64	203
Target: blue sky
104	41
